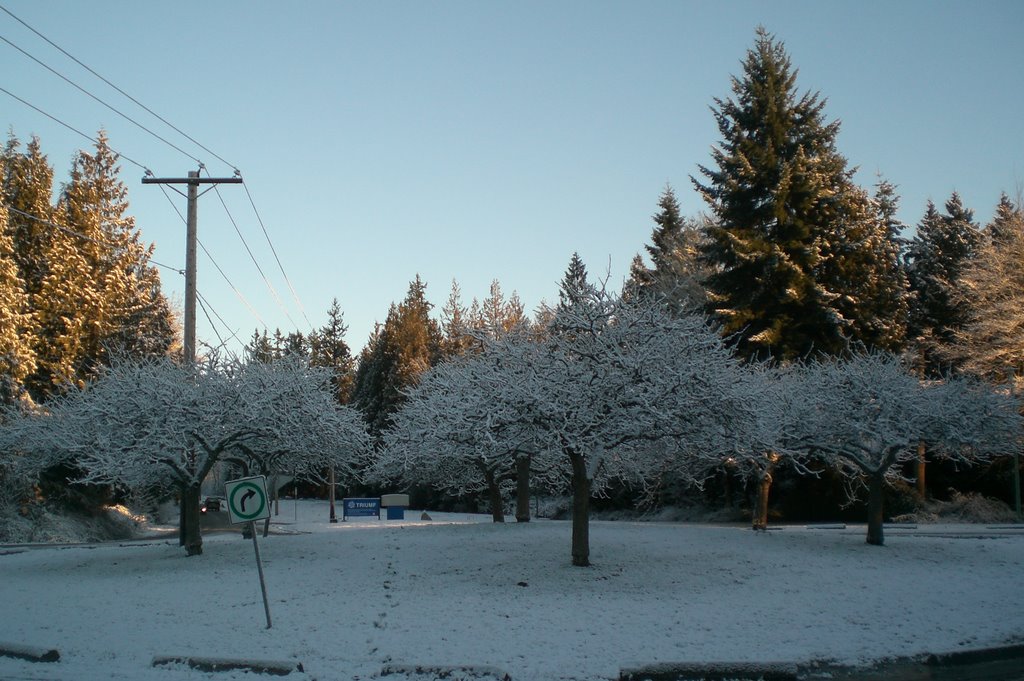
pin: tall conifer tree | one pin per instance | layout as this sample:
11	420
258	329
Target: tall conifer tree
991	289
937	257
27	191
328	348
575	285
127	314
398	353
677	273
783	202
17	357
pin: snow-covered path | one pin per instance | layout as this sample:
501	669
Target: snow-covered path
349	598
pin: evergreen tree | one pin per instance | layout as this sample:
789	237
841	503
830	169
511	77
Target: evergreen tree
1005	220
408	344
259	348
36	246
455	324
499	316
371	379
121	299
575	287
17	358
329	349
783	202
27	191
937	257
991	289
63	308
296	345
866	269
677	274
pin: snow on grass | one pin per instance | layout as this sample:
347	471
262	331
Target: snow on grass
350	598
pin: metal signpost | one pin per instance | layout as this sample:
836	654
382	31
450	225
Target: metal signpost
247	503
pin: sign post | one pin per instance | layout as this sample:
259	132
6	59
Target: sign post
247	503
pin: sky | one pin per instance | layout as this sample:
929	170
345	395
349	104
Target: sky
481	141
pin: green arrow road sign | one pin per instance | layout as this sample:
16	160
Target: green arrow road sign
247	499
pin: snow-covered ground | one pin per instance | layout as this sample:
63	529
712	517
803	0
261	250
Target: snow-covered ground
348	599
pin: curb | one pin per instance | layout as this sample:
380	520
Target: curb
976	656
448	673
30	653
712	671
215	664
1003	662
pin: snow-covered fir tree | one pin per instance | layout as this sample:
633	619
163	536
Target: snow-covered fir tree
91	288
329	349
130	316
399	351
677	273
17	324
937	257
991	341
785	237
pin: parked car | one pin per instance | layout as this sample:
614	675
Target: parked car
212	504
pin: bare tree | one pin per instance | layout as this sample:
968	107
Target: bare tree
467	428
865	415
622	388
157	423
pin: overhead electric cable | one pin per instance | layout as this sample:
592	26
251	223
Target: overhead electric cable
87	238
274	251
227	327
237	292
75	130
109	106
213	326
212	260
137	102
238	231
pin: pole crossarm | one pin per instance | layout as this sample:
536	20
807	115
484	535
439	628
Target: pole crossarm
192	180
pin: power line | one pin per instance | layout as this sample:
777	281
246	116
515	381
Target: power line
75	130
87	238
204	305
274	251
109	106
212	260
252	257
148	172
133	99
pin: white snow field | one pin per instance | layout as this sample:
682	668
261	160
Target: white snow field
349	599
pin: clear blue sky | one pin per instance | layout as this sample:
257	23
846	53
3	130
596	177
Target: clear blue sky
487	140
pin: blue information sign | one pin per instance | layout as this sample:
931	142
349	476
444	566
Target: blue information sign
360	507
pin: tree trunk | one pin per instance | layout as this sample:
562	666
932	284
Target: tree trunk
494	492
522	489
876	487
760	515
190	530
580	511
727	488
181	517
921	489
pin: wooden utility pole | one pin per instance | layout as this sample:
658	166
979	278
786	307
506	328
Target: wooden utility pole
188	524
193	181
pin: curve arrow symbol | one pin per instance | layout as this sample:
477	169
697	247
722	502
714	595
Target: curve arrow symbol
245	497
